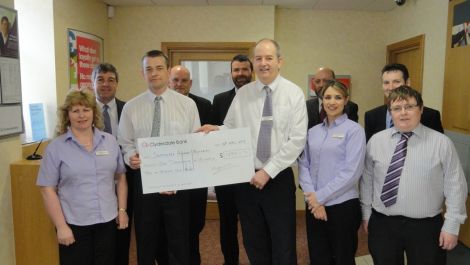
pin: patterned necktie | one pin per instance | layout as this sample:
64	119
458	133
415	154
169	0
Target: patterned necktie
156	118
107	120
263	149
322	113
392	179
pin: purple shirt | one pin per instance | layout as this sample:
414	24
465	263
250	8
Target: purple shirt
333	161
84	180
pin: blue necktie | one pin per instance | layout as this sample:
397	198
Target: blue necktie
107	120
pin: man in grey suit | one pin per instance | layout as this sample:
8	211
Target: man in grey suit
105	80
314	105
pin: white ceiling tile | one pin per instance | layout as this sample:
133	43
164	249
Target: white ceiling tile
128	2
308	4
363	5
180	2
343	4
234	2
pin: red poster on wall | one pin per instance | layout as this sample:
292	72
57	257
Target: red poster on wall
85	52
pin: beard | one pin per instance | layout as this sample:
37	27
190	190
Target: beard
241	81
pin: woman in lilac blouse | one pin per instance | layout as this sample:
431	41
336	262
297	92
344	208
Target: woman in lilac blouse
329	170
80	176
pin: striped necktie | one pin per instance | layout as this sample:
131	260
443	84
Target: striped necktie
157	118
392	179
263	149
107	120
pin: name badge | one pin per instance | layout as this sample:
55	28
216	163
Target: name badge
267	118
338	135
102	153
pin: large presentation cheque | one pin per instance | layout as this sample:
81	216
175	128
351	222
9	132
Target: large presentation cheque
195	160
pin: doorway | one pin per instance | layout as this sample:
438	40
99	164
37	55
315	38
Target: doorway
209	65
409	52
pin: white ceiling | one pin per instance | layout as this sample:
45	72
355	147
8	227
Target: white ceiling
359	5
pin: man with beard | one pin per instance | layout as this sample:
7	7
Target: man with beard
241	70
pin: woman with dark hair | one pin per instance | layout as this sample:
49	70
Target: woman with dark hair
329	170
80	176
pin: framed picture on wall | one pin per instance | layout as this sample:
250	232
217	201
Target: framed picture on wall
85	52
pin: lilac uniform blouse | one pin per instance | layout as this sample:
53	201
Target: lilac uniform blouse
333	161
85	181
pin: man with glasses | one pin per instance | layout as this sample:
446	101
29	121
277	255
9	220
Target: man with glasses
379	118
315	110
410	172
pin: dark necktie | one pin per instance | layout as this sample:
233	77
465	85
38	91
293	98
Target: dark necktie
263	149
322	113
107	120
156	118
392	179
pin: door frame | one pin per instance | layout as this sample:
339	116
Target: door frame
414	43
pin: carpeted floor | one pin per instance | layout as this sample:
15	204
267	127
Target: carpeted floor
212	255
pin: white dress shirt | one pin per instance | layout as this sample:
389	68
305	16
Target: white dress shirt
432	174
179	116
113	114
289	116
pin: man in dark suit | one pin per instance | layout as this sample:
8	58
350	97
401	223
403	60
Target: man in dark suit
314	105
395	75
180	80
241	71
105	80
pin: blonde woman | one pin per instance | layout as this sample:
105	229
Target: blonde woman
83	184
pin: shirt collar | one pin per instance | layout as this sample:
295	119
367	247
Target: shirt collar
151	96
98	136
337	121
273	85
418	131
111	104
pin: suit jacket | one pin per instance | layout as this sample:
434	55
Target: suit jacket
222	103
313	112
374	120
120	105
204	107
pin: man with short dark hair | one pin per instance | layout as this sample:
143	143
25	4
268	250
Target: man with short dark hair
379	118
241	70
315	111
105	81
158	111
410	172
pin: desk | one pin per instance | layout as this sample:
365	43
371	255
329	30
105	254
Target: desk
35	237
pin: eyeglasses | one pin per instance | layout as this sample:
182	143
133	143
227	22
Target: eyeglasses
406	107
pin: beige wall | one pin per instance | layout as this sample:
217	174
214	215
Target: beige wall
11	151
136	30
348	42
92	19
423	17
